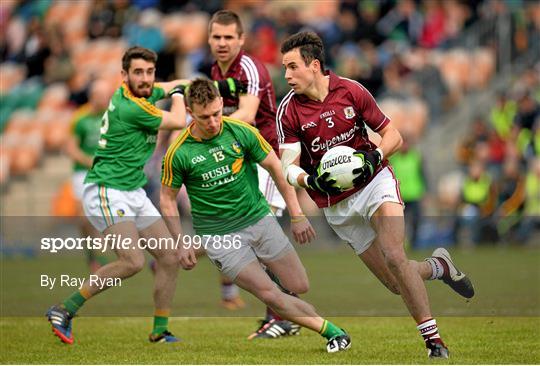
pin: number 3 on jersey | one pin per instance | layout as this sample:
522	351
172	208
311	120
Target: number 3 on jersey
330	122
218	156
103	130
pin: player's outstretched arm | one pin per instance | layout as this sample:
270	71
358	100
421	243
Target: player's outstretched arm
169	85
175	118
248	105
171	216
302	230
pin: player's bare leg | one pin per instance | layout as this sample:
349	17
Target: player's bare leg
129	261
166	273
290	272
388	223
254	279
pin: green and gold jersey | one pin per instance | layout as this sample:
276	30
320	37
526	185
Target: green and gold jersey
128	138
85	127
220	175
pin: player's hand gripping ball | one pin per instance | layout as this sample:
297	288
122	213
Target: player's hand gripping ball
340	162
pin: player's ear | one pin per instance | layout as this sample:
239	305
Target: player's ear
242	39
124	75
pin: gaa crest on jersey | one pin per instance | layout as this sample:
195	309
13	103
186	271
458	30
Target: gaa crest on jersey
120	212
237	147
349	112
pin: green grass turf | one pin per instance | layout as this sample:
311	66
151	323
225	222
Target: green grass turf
506	340
500	325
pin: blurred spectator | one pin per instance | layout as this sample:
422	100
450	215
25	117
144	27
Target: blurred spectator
434	28
367	22
123	14
146	32
58	67
478	200
502	115
511	198
478	133
36	49
528	111
531	219
403	23
409	168
101	20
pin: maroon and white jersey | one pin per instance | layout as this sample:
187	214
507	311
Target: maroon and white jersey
254	74
340	119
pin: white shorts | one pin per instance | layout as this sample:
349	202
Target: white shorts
268	188
77	182
264	240
351	217
105	207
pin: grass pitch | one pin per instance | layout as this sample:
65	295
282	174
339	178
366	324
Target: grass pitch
501	325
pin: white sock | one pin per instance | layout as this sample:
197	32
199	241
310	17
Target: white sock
437	268
428	329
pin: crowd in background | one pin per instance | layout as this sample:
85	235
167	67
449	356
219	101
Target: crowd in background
500	157
409	54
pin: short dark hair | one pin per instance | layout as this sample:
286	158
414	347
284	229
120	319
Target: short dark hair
137	52
201	91
226	17
309	44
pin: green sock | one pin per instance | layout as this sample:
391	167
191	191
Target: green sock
74	302
160	324
329	330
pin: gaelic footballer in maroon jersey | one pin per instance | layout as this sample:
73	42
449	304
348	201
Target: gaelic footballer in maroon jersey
323	111
340	119
251	72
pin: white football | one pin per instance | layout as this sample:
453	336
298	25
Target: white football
340	161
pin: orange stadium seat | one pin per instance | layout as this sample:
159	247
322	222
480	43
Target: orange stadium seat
64	202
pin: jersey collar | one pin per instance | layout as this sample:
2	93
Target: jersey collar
332	85
198	139
232	67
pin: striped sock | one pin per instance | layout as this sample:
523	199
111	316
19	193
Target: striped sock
161	321
428	330
438	267
329	330
74	302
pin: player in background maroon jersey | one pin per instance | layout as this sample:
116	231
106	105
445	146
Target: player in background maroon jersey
324	110
258	107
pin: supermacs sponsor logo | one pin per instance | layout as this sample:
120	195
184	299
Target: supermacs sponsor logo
317	144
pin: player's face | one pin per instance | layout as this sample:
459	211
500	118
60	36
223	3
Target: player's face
140	77
225	42
207	118
299	76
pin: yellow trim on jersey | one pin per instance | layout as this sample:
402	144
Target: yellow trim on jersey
79	113
265	146
167	160
142	102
